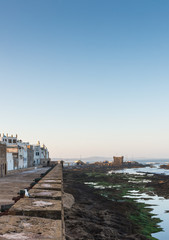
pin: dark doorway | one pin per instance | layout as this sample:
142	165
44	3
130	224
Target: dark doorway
1	171
5	169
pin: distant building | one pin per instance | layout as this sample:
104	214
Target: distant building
12	156
9	140
44	156
11	150
79	162
118	160
3	162
106	162
10	161
22	155
37	154
30	155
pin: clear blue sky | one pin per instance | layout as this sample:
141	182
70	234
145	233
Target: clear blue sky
86	77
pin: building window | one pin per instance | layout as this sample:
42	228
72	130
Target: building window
9	141
37	153
14	141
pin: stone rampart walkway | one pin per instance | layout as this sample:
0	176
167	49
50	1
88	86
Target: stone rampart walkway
39	216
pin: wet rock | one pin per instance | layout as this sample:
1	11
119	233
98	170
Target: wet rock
68	200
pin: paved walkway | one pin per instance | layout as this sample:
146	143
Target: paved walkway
11	184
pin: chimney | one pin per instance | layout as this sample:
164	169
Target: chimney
12	135
38	142
0	134
16	135
7	134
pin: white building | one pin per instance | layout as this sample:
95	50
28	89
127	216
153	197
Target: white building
11	150
10	161
37	154
9	140
41	154
22	154
45	161
44	152
16	152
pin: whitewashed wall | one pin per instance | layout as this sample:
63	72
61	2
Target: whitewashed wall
10	162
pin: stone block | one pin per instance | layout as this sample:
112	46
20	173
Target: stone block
45	194
51	181
52	178
29	228
37	207
48	186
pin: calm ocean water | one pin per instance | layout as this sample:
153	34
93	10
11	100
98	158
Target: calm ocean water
153	161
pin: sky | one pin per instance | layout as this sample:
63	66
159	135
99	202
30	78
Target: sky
86	77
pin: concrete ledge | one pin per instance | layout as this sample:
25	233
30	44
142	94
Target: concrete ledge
52	178
55	174
29	228
50	181
45	208
45	194
47	186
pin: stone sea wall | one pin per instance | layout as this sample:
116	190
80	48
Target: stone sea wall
39	216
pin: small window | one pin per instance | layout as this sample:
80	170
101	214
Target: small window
37	153
9	141
14	141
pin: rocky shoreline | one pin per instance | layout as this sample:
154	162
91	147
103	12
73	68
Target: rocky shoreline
92	216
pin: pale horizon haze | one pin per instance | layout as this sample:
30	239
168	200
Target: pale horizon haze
86	77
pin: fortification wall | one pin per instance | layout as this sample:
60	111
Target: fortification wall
39	216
